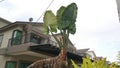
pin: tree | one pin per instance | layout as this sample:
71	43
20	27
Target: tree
63	22
118	58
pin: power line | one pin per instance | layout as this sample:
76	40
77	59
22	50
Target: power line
45	10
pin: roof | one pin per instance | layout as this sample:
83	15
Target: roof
82	50
54	51
99	58
6	21
17	23
92	53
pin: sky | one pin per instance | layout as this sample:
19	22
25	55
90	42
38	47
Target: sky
97	22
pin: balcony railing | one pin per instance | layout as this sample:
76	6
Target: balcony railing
32	43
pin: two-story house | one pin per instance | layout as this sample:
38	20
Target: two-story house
22	43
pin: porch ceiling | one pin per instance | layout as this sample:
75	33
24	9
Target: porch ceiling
45	51
53	51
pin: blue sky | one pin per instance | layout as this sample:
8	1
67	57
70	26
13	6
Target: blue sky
97	22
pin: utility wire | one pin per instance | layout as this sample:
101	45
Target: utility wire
45	10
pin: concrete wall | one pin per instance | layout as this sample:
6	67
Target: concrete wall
17	59
3	60
2	24
8	35
38	27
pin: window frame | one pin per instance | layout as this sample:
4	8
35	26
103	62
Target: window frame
11	62
2	39
24	62
36	37
12	39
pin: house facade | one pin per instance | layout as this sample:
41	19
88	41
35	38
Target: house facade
16	40
92	54
84	52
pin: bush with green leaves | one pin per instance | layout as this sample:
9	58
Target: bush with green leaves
87	63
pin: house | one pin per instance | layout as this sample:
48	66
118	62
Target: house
84	52
92	54
118	6
22	43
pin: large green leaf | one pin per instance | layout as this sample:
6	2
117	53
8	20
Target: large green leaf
72	29
70	13
68	18
50	21
45	29
59	16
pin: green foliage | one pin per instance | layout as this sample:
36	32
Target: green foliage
118	58
74	64
67	18
114	65
87	63
64	21
59	16
50	21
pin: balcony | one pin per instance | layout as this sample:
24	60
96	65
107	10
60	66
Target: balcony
33	43
24	48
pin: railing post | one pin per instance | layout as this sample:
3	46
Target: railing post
9	43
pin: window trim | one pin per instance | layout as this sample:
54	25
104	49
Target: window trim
2	39
11	62
32	35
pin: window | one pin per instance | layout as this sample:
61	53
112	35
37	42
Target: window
35	39
16	38
10	64
24	65
1	38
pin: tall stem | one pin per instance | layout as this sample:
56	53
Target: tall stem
59	43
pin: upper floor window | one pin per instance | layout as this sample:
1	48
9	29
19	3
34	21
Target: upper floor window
17	37
1	38
35	39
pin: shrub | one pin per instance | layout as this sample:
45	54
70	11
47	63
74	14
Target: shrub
87	63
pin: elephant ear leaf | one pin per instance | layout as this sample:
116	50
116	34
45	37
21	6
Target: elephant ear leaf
45	29
70	13
69	18
59	16
72	29
50	22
